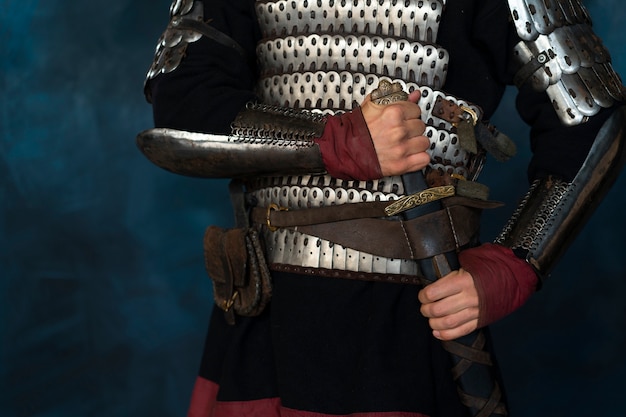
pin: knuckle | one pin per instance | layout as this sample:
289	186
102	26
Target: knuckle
448	335
437	310
433	324
450	322
393	110
429	292
424	158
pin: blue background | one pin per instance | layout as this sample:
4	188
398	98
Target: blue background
104	301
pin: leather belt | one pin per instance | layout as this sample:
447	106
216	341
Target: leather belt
363	227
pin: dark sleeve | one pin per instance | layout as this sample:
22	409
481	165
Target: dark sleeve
557	150
478	36
213	82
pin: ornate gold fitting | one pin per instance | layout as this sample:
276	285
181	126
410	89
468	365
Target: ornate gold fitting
228	304
415	200
270	208
469	115
388	93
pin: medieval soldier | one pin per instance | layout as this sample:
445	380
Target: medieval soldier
355	132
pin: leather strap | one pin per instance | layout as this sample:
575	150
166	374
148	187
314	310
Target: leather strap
420	238
318	215
328	214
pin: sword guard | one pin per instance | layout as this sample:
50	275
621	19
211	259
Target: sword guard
387	93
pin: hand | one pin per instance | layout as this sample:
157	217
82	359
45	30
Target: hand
398	135
451	305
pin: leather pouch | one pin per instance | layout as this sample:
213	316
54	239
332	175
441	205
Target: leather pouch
235	262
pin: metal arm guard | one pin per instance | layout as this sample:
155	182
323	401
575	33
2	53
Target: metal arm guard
265	140
553	211
560	54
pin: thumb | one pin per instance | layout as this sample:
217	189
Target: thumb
414	96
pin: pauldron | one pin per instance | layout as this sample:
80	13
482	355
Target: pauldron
561	55
186	26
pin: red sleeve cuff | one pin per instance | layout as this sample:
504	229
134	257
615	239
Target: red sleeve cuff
347	148
503	281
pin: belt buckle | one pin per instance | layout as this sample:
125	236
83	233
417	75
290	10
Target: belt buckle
270	208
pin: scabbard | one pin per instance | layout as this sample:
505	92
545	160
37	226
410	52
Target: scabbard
474	370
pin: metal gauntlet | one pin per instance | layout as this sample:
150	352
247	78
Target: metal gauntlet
265	140
553	211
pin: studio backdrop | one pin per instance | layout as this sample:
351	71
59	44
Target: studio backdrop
104	301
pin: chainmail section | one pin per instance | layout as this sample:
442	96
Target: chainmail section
531	223
277	125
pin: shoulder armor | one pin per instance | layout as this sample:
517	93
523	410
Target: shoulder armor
560	54
186	26
173	42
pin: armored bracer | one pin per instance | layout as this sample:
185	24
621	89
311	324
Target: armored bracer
553	211
265	140
561	55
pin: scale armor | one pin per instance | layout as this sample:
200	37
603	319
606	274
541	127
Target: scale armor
326	56
559	53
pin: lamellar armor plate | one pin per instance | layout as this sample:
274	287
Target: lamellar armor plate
326	56
560	54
